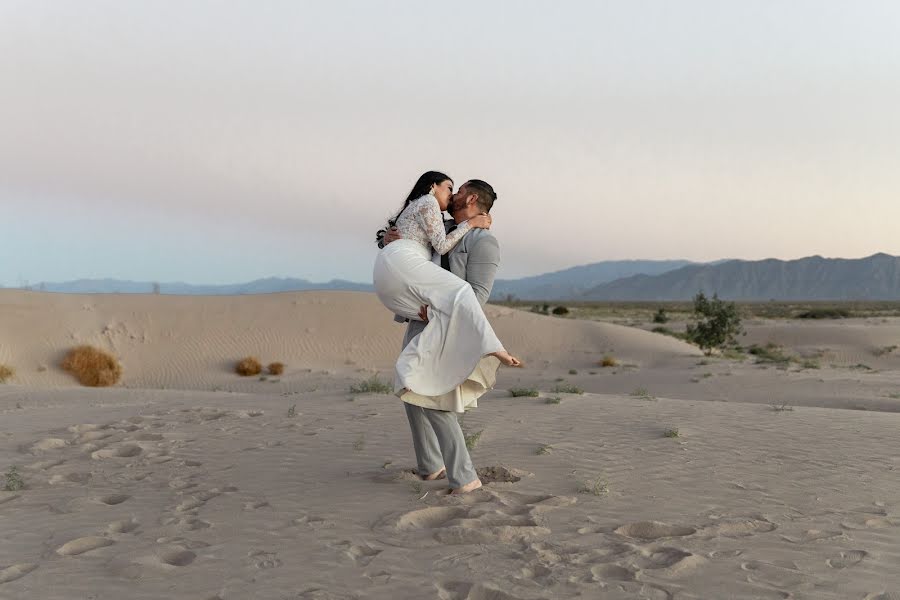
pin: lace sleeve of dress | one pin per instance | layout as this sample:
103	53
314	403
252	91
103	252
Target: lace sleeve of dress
428	215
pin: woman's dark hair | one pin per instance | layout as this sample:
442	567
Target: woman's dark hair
422	187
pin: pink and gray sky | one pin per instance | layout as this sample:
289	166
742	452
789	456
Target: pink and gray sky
214	142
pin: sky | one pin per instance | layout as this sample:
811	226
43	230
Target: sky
219	142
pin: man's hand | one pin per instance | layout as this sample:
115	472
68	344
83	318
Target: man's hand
392	234
423	313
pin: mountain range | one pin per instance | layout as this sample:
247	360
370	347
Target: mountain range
875	277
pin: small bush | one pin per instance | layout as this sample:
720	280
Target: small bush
876	352
770	353
672	432
13	480
568	388
661	316
557	400
783	407
275	368
560	310
545	449
372	385
609	361
573	372
248	366
641	393
597	487
92	367
716	323
472	439
292	411
6	373
526	392
810	364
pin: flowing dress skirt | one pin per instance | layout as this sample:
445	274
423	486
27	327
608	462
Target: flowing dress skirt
446	366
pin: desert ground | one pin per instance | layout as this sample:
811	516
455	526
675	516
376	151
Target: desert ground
670	475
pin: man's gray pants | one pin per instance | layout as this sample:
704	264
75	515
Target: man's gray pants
439	442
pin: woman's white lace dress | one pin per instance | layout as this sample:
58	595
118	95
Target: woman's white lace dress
447	365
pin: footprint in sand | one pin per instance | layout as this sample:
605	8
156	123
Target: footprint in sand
82	477
775	575
113	499
82	545
176	557
255	504
611	572
123	526
464	590
264	560
14	572
48	444
362	554
43	465
813	535
847	559
653	530
669	562
740	527
7	497
126	451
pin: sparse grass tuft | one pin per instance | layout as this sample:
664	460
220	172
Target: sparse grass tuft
568	388
609	361
810	363
783	407
292	411
6	373
92	367
360	443
526	392
672	432
545	449
734	353
472	439
14	481
553	400
248	366
642	393
597	487
275	368
770	353
372	385
861	366
666	331
573	372
884	350
894	396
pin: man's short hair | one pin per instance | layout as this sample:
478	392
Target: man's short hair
484	191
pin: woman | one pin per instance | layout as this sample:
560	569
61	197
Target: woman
453	349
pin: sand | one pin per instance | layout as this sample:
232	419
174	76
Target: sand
187	481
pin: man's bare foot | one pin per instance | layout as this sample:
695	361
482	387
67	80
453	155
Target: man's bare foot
442	474
507	359
469	487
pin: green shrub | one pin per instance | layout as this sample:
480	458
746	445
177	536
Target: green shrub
661	316
372	385
560	310
716	323
526	392
568	388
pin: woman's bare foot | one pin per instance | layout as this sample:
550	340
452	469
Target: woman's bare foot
469	487
442	474
507	359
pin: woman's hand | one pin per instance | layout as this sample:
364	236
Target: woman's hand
482	221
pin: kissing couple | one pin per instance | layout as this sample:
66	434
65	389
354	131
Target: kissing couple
436	275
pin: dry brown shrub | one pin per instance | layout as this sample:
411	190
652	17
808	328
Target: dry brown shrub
92	367
6	373
248	366
609	361
275	368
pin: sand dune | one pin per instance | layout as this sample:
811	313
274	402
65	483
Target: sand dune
191	342
227	488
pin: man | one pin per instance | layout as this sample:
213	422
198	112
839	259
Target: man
438	439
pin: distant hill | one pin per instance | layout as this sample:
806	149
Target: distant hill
876	277
260	286
574	282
